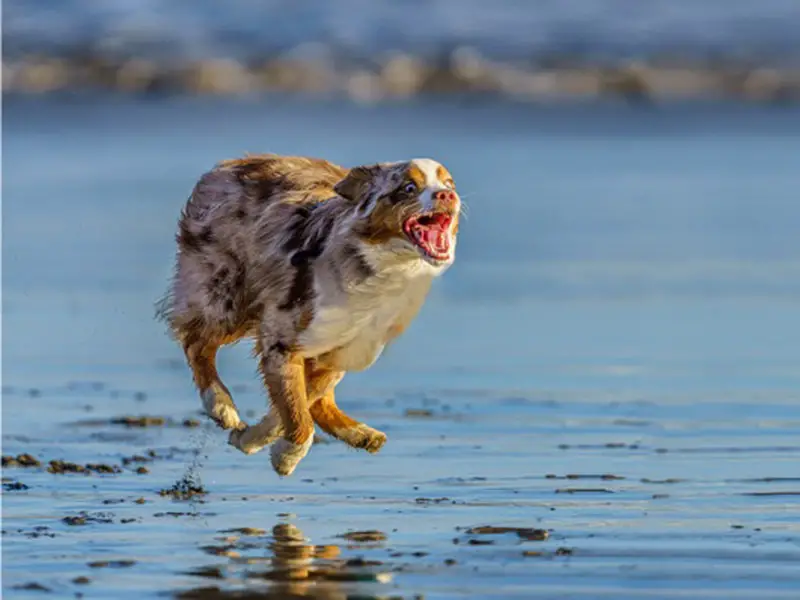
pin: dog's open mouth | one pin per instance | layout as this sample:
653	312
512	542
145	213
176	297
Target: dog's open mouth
430	232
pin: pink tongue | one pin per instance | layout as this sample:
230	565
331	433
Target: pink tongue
436	238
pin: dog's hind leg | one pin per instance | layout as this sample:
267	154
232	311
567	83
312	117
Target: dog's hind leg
201	354
332	420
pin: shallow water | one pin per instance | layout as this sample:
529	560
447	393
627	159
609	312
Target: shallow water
612	359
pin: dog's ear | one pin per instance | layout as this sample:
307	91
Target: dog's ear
358	182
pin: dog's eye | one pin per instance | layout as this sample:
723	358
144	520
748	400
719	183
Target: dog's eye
410	188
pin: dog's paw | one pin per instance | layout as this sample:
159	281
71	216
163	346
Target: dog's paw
220	408
363	437
286	455
252	439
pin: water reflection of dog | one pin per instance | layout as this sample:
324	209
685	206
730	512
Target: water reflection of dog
293	560
296	570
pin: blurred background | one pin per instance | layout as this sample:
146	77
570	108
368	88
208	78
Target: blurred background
374	50
629	267
609	151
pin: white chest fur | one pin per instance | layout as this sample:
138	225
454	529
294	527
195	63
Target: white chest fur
354	327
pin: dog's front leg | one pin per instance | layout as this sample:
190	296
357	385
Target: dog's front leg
284	376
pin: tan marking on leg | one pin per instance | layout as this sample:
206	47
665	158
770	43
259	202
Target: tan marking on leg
217	401
284	377
333	421
320	380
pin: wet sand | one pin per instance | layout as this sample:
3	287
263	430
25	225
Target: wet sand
595	431
476	494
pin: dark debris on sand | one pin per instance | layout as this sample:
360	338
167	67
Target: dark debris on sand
523	533
209	572
10	485
140	421
245	531
584	491
61	467
177	514
135	461
185	489
226	550
33	587
433	500
114	501
102	468
113	564
21	460
138	458
478	542
604	476
84	518
37	532
364	536
418	412
562	551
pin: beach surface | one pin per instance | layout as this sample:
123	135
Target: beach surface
600	399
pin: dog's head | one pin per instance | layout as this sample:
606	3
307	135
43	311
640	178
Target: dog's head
408	210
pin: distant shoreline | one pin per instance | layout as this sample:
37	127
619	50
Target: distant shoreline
462	72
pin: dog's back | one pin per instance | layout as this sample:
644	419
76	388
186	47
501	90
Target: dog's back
239	208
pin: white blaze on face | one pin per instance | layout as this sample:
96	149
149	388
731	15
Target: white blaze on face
432	230
429	168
